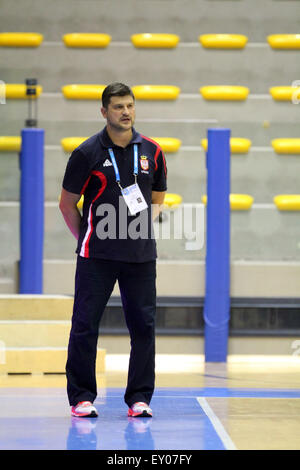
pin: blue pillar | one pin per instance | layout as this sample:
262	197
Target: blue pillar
217	288
31	211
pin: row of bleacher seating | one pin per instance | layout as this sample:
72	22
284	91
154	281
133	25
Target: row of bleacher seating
283	202
238	145
154	92
238	202
148	40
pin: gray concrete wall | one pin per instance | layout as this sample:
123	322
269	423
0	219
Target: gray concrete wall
260	235
120	18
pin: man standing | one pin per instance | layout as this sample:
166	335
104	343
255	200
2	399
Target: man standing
122	176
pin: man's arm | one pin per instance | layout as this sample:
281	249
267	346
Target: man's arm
68	207
157	202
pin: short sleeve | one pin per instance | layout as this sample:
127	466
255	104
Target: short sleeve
160	173
77	173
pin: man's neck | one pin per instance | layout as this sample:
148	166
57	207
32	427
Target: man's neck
121	139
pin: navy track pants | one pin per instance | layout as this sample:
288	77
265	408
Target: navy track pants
94	283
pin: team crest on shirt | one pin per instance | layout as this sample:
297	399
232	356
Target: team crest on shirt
144	163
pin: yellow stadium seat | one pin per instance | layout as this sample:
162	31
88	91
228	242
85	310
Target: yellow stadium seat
70	143
291	146
224	92
238	202
20	39
10	143
241	201
156	92
150	40
237	145
83	92
223	41
168	144
172	200
86	40
284	93
284	41
287	202
18	91
80	203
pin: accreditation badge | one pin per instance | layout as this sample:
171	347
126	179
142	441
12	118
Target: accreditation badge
134	199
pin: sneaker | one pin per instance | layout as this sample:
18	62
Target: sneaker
140	410
84	409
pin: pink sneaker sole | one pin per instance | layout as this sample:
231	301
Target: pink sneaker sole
84	410
140	410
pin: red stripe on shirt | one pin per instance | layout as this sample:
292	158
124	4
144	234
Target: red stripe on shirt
85	185
103	180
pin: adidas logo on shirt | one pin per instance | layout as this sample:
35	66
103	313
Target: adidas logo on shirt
107	163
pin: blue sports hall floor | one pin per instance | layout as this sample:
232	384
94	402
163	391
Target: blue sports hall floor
243	405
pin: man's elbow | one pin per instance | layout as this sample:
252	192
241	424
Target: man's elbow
68	202
62	206
67	208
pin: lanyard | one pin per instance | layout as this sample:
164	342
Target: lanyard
135	167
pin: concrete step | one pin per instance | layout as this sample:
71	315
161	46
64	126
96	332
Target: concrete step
40	360
39	344
187	278
32	340
116	344
261	173
56	109
174	278
35	333
237	345
7	286
189	130
36	307
188	18
186	67
261	233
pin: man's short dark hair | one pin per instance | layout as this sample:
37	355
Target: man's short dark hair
115	89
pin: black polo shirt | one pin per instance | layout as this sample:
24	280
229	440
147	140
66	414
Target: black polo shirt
107	230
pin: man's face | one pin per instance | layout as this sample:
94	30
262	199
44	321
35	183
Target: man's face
120	113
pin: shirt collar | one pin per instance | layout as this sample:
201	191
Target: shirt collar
107	142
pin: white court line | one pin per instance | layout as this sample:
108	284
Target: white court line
226	440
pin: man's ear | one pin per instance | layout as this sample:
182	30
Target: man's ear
104	112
